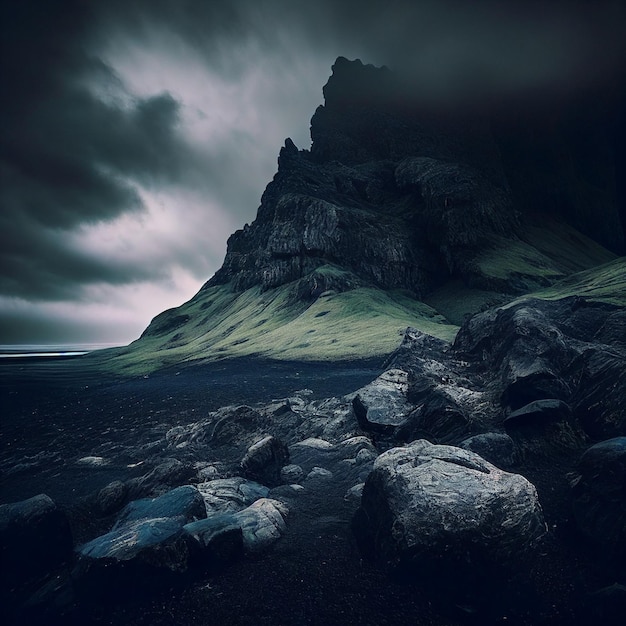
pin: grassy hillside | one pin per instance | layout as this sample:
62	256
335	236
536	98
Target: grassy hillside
218	323
353	321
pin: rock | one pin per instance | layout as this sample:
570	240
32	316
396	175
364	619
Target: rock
183	502
291	474
265	459
315	443
35	538
168	474
361	411
428	502
156	542
545	427
262	523
235	425
355	492
440	418
146	542
230	494
219	539
365	456
112	498
319	473
537	414
259	525
497	448
385	399
601	389
598	494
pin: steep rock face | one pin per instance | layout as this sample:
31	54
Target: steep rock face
406	197
396	206
400	199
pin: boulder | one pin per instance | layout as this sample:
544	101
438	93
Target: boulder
598	493
428	502
497	448
146	541
291	474
184	502
258	526
264	460
112	498
262	523
229	495
438	418
385	400
545	427
35	538
170	473
219	540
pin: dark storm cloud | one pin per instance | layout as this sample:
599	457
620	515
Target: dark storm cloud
89	124
73	147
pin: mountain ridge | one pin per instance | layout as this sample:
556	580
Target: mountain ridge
391	197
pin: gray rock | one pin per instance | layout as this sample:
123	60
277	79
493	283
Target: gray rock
291	474
112	498
265	459
147	538
168	474
219	539
355	492
156	541
259	525
184	502
429	501
319	473
497	448
262	523
35	538
598	494
385	398
230	494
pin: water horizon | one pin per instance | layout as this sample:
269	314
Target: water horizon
43	350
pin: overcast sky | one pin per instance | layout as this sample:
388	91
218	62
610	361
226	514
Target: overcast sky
138	134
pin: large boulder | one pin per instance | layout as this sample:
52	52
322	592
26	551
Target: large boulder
147	542
255	527
427	502
599	494
35	538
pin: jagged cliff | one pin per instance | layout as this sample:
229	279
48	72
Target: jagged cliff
398	215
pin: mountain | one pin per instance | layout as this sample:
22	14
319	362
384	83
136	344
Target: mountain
401	215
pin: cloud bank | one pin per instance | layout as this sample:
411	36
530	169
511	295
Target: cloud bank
137	136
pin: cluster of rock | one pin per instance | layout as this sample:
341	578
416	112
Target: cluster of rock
422	458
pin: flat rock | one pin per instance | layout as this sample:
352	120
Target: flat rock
184	502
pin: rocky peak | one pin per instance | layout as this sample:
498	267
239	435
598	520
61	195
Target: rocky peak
393	194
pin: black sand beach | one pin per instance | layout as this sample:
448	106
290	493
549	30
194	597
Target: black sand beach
62	422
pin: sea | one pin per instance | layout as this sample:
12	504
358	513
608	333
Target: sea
50	351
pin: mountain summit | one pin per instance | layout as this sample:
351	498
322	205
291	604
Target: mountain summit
401	215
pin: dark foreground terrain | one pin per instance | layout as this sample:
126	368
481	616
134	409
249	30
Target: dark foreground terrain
479	483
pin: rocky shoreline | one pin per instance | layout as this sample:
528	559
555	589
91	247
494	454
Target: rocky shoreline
474	482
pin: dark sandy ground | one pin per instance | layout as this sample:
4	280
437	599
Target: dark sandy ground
57	412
